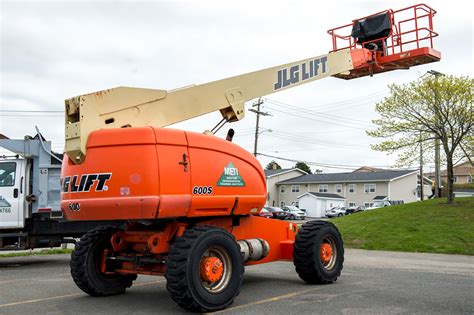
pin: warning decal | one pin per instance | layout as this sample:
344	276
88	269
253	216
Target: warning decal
231	177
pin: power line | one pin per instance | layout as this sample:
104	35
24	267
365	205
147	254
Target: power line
257	131
317	120
37	116
320	114
30	111
299	136
316	143
353	100
338	166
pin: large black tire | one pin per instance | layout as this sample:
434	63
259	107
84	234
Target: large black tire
307	257
183	269
85	265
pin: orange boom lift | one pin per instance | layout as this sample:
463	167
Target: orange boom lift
180	204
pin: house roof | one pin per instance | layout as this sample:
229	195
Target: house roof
369	169
270	173
323	195
383	176
462	169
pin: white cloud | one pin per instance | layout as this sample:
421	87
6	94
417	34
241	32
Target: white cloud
55	50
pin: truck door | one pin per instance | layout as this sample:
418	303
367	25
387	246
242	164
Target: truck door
11	193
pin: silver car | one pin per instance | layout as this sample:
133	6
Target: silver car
293	213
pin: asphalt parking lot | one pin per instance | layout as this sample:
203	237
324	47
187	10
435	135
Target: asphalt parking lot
372	283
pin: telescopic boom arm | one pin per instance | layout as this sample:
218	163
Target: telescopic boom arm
133	107
370	45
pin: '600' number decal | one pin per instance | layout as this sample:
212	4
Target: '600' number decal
202	190
74	206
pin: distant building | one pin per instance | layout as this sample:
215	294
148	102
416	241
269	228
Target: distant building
316	203
276	175
463	174
357	188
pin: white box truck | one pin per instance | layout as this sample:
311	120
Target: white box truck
30	214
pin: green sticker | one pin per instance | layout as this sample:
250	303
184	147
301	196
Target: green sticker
231	177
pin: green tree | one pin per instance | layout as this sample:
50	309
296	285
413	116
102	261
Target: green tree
273	166
421	111
303	166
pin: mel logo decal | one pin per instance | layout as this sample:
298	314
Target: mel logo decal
5	206
231	177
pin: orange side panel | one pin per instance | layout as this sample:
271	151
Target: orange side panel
211	158
123	136
170	136
111	208
131	192
280	235
175	174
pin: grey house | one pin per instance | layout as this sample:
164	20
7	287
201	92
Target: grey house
276	175
358	188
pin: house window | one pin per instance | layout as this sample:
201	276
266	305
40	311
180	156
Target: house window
369	188
323	188
368	204
282	204
296	204
338	188
352	204
469	179
455	179
352	188
282	189
295	188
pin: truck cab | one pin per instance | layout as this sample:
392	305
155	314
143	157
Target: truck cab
12	193
29	191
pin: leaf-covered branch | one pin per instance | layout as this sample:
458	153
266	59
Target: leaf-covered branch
434	107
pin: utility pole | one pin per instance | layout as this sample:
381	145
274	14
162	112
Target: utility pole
258	112
421	170
437	171
437	148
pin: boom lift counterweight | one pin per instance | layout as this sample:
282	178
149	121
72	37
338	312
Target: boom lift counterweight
187	199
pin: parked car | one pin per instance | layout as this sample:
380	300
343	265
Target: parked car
277	212
264	213
293	213
379	204
335	212
355	209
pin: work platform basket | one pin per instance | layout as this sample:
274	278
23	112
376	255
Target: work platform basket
396	40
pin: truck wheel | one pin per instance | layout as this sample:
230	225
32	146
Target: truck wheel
204	269
318	252
85	265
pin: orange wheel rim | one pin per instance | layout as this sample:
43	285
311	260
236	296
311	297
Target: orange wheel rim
212	269
325	253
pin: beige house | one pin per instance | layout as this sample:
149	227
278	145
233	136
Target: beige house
278	175
463	174
358	188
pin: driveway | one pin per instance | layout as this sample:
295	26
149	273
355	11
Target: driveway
372	282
